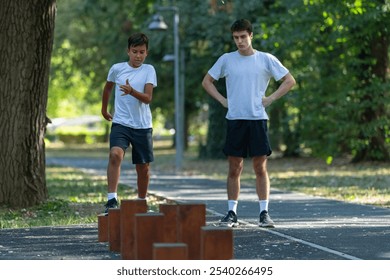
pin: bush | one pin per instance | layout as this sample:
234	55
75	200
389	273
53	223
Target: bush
78	135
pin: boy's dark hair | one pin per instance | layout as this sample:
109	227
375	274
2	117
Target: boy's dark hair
138	39
241	25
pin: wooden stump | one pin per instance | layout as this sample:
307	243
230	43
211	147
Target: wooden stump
149	229
114	231
103	228
170	212
216	243
170	251
127	223
191	217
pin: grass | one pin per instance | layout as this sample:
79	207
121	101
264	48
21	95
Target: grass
76	197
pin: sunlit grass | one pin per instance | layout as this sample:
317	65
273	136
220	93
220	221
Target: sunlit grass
366	183
75	186
74	198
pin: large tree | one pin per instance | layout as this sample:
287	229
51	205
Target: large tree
26	39
339	53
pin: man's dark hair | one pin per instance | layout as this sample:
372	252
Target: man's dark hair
242	25
138	39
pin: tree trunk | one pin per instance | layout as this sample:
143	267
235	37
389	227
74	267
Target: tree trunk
376	145
216	132
26	40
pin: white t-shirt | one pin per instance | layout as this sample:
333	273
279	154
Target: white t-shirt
247	79
129	111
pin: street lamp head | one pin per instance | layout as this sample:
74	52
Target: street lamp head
168	58
158	23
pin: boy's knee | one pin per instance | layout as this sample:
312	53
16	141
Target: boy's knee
116	155
142	168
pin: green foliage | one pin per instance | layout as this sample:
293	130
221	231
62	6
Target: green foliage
338	51
90	36
339	54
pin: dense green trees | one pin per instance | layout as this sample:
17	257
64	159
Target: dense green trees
340	50
90	36
337	51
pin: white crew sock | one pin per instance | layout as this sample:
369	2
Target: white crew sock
232	204
263	205
112	195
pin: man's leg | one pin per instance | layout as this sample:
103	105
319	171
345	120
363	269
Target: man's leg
263	190
262	179
143	176
236	165
233	190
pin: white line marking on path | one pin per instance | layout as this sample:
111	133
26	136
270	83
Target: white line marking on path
319	247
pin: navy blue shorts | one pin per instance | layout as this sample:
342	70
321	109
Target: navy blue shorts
247	138
140	140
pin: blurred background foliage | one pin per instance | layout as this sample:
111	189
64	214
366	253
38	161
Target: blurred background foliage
338	51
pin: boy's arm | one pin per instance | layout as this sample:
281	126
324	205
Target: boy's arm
145	97
288	82
105	98
208	85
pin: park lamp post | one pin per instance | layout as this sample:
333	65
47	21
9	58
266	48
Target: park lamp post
159	24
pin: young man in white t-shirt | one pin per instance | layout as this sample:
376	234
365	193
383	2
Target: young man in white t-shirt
247	72
134	82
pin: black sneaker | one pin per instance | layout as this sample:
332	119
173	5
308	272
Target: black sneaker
230	219
112	203
265	220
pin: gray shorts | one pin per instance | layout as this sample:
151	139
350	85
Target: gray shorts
140	139
247	138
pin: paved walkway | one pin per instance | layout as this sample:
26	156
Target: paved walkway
308	228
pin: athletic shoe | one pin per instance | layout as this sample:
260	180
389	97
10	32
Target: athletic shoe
112	203
230	219
265	220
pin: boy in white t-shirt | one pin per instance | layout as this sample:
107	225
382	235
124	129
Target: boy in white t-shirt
247	72
134	82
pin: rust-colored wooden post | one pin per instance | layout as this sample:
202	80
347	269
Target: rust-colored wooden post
149	229
216	243
170	212
103	228
191	217
128	210
170	251
114	231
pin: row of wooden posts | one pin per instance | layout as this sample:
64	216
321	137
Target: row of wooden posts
177	232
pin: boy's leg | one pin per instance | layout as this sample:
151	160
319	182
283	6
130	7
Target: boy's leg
114	168
142	155
143	176
113	173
